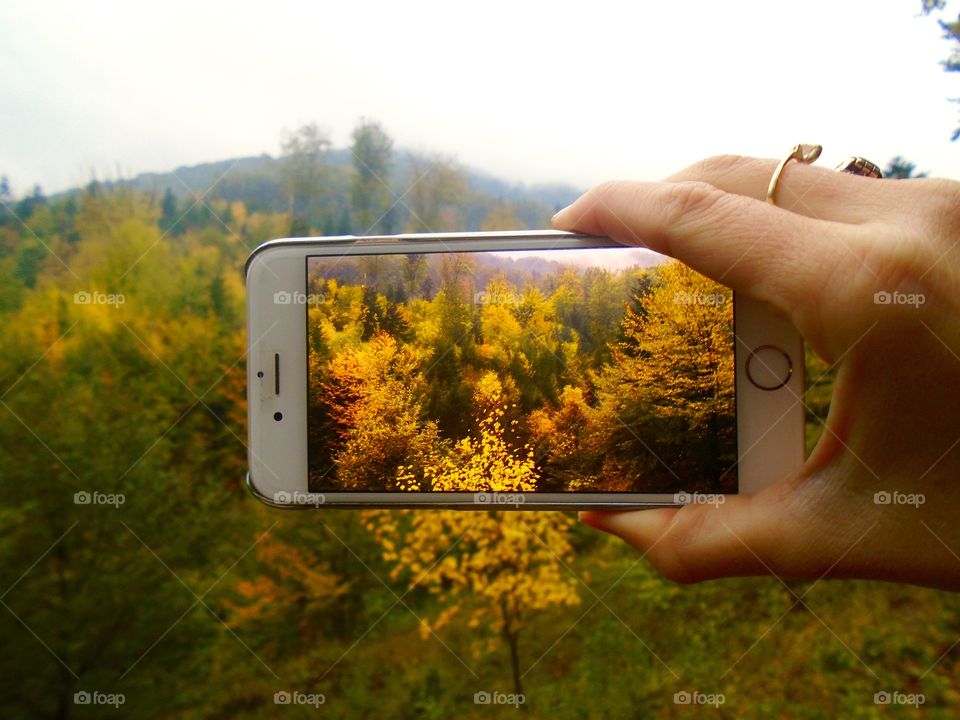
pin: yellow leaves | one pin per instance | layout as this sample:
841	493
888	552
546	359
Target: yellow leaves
99	317
371	394
406	480
238	211
261	227
488	390
483	563
497	560
686	325
426	328
502	216
501	329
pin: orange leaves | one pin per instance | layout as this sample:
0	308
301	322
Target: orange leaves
291	583
371	392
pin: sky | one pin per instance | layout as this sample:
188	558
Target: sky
609	258
531	92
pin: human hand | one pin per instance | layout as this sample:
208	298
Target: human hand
819	257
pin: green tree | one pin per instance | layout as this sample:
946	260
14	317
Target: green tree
168	210
27	205
306	174
951	33
452	343
415	275
97	596
437	188
372	153
900	168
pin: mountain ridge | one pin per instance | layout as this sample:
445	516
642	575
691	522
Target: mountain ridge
258	180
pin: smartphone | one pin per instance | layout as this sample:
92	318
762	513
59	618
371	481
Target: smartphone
518	370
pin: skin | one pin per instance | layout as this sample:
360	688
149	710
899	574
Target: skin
818	258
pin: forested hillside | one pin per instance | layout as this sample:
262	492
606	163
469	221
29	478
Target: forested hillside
133	561
318	185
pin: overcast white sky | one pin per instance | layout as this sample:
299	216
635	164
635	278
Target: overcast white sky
573	92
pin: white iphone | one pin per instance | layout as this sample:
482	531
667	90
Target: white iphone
520	370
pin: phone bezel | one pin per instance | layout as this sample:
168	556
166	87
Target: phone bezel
769	424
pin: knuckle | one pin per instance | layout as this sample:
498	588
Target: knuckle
682	200
901	258
721	165
607	188
946	195
601	197
932	204
677	555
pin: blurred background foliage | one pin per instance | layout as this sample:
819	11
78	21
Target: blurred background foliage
194	600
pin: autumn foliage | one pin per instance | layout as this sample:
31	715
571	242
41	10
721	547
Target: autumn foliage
500	383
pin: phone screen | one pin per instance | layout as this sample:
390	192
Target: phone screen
564	371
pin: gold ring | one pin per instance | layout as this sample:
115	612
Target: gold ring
805	154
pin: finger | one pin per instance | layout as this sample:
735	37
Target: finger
810	190
764	251
702	542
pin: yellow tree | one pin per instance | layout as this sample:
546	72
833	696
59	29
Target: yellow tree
522	339
498	568
501	215
372	393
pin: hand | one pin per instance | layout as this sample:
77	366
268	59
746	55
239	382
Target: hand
819	257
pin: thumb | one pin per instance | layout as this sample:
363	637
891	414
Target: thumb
741	536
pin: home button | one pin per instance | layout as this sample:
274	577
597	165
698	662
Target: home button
769	367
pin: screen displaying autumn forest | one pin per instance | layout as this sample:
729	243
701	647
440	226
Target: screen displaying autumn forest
601	370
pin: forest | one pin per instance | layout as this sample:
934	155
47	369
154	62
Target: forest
479	372
192	600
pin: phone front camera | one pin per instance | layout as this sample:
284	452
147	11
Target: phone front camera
278	416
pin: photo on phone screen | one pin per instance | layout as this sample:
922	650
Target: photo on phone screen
578	371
